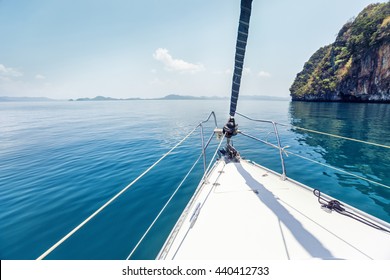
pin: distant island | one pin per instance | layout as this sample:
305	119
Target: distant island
102	98
356	67
167	97
185	97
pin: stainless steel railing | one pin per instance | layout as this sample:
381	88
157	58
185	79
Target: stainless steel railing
278	146
283	151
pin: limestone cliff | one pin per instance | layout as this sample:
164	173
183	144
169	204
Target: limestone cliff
356	67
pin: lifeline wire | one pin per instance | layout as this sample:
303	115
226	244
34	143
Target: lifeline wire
317	162
112	199
317	132
162	209
338	136
171	197
323	133
338	169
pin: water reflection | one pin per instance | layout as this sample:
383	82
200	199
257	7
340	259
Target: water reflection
368	122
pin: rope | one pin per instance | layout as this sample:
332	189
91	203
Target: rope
112	199
338	169
335	205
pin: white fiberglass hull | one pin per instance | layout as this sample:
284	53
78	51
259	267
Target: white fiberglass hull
245	211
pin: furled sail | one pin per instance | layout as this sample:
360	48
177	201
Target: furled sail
242	36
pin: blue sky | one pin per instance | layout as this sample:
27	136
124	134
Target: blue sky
70	49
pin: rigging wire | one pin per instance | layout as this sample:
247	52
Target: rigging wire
336	136
316	131
288	152
62	240
162	209
171	197
338	169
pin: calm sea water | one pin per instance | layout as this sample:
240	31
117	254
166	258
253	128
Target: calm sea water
60	161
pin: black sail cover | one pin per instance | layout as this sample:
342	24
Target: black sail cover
242	36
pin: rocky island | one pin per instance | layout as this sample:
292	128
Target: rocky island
356	67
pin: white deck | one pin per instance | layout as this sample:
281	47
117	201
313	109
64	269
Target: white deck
247	212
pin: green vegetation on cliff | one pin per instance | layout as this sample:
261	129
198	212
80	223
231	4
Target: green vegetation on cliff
356	67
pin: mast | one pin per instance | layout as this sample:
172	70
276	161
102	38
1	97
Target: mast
230	129
242	37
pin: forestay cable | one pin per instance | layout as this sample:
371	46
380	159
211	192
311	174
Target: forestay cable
113	198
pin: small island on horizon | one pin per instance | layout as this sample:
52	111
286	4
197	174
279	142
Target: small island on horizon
184	97
167	97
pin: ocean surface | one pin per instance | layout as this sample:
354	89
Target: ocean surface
61	161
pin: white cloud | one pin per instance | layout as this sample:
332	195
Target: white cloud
172	64
40	77
9	72
246	71
264	74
